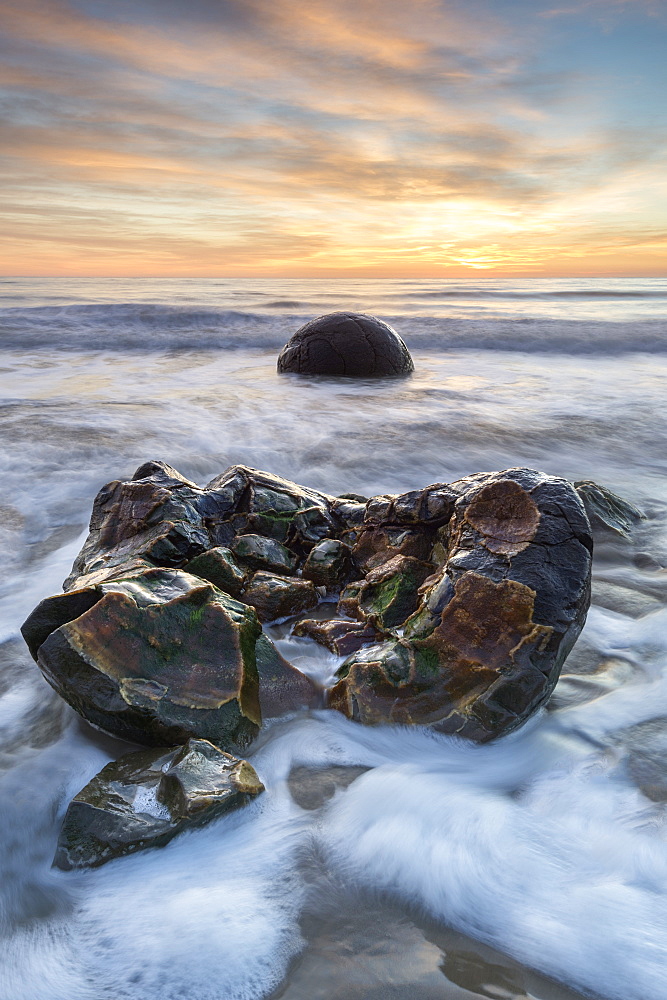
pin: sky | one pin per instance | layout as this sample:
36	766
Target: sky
333	138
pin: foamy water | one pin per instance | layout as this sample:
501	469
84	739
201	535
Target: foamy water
443	869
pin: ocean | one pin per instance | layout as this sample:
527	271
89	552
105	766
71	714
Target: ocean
380	864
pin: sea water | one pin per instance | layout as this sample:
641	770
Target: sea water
381	863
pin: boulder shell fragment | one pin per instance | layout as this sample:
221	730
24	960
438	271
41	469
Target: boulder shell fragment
148	797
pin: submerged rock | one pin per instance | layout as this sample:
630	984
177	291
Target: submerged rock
608	511
282	687
345	343
148	797
485	648
155	659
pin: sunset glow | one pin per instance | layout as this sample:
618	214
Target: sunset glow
334	138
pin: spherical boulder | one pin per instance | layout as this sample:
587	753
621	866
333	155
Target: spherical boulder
346	343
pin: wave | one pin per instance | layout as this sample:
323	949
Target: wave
500	293
149	327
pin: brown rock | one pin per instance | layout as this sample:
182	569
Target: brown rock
275	596
485	648
157	658
342	637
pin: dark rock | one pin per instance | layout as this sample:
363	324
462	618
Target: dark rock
606	510
500	563
219	567
282	688
429	507
159	657
390	592
328	564
146	798
342	637
311	787
158	518
275	596
259	552
348	602
344	343
350	512
485	648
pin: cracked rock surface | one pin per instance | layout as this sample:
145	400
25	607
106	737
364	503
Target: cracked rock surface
484	649
148	797
345	343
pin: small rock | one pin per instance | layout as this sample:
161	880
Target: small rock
342	637
606	510
275	596
259	552
219	567
147	798
328	564
390	592
378	544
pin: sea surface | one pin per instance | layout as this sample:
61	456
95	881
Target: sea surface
381	863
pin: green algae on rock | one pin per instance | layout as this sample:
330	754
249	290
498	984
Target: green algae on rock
148	797
158	658
391	591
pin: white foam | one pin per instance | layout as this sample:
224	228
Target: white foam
538	845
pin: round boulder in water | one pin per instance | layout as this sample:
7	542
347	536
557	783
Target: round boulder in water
346	343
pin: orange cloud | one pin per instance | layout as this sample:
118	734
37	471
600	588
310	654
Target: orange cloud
338	137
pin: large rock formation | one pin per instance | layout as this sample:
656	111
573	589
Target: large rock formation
478	589
146	798
345	343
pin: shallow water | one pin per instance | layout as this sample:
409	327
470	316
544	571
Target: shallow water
380	862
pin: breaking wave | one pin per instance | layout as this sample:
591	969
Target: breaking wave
150	327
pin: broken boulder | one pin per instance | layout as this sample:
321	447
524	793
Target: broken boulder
154	659
148	797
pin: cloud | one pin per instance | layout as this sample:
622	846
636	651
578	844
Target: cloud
335	131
